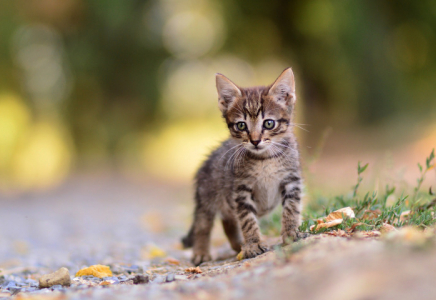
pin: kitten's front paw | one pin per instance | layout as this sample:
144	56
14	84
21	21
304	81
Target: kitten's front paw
253	250
198	259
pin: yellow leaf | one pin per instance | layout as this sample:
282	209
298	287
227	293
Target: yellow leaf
152	251
240	256
99	271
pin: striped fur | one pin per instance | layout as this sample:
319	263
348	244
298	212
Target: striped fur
252	172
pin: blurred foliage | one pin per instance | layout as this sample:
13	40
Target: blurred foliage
86	83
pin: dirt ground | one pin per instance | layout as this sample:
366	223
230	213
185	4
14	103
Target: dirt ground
135	227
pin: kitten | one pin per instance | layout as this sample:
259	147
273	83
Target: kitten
252	172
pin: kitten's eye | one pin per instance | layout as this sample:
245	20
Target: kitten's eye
269	124
241	126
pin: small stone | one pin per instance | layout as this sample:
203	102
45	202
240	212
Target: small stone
132	269
170	277
113	279
31	282
180	277
140	279
57	287
159	279
60	277
122	278
14	290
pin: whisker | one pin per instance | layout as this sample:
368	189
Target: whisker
229	150
232	158
239	158
293	124
302	124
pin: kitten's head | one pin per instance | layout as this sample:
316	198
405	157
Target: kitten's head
260	117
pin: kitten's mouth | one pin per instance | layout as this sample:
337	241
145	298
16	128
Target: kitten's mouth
257	148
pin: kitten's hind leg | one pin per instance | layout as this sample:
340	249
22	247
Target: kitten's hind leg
188	240
233	232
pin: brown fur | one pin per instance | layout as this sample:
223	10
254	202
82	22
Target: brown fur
252	171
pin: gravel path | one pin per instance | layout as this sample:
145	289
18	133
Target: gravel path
119	223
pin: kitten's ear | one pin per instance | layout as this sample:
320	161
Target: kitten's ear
227	91
283	89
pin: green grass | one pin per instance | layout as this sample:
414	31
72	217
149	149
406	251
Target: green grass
421	204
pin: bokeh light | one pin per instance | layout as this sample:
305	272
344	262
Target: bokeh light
130	86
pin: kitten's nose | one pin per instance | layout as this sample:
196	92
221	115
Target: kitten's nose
255	143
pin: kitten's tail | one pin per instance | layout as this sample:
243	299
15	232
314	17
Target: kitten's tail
188	241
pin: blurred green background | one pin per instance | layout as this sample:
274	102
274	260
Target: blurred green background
128	86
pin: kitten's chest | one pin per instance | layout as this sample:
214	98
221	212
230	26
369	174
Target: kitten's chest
266	190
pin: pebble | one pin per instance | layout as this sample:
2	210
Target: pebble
32	283
158	279
140	279
170	277
61	276
132	269
14	290
113	279
57	287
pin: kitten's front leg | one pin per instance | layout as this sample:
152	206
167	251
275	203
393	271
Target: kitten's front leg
291	201
246	212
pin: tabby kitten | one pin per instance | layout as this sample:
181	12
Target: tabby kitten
252	171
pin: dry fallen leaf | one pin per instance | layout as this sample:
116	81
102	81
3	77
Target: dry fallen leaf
339	233
99	271
354	226
387	228
337	214
334	218
172	261
370	234
105	283
327	225
371	214
240	256
195	270
405	215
